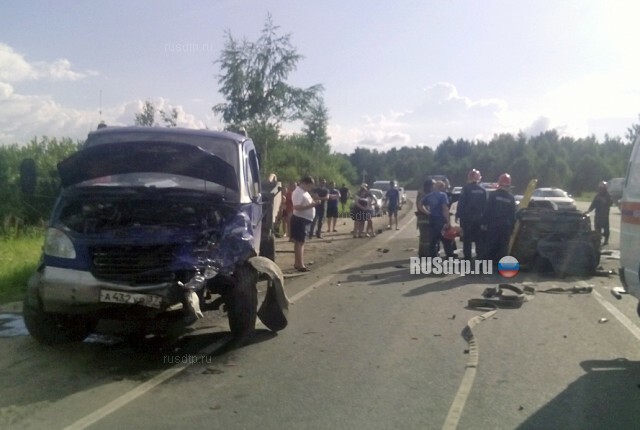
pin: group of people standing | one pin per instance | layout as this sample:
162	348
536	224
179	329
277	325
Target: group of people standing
305	208
364	210
486	221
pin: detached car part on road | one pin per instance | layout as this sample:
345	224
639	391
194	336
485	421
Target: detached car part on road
150	225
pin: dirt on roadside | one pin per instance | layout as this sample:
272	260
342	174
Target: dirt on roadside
333	246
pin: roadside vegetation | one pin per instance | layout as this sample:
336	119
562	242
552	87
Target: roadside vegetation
18	260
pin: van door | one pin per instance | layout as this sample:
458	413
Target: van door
630	225
252	182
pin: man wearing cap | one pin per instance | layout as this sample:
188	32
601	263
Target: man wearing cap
470	209
601	203
322	194
498	220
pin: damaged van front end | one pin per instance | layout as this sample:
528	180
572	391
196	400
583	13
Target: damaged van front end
153	227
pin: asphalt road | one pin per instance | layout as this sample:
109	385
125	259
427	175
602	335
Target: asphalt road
369	346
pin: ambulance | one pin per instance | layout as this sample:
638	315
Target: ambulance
630	226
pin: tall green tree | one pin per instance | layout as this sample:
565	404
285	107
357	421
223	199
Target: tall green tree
253	80
147	117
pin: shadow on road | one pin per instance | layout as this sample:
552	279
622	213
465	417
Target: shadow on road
607	397
35	374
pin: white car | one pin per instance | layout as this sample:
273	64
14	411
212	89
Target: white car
403	196
559	198
378	204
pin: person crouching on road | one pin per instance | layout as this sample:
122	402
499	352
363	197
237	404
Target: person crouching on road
437	204
473	199
601	203
303	214
498	220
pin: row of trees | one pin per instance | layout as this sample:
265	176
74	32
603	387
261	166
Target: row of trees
576	165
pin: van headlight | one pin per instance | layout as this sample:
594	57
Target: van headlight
58	244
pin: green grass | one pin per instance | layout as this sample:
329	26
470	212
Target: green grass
585	197
18	260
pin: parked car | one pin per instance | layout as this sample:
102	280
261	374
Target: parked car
151	226
615	186
442	178
379	207
403	196
384	185
560	199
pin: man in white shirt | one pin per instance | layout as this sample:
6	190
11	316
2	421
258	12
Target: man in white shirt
303	213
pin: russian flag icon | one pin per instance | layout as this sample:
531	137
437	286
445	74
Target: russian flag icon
508	267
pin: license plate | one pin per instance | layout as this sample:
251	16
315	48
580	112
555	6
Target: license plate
148	300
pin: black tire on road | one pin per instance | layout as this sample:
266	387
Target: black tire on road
242	302
53	329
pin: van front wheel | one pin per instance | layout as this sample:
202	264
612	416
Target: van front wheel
242	302
53	329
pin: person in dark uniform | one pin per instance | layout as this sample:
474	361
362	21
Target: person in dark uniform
344	198
437	204
473	199
601	204
322	194
498	220
422	217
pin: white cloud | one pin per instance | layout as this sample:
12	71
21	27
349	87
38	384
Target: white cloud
15	68
441	113
23	117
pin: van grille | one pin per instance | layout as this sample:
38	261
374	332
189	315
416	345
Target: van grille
134	265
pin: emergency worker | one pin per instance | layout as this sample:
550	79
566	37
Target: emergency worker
422	217
601	204
498	220
436	203
473	199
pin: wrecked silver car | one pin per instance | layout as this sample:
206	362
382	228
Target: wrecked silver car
155	226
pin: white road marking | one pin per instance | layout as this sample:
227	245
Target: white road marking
626	322
460	400
145	387
141	389
326	279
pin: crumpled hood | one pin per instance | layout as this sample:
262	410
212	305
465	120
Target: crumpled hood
131	157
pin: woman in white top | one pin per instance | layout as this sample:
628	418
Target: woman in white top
303	213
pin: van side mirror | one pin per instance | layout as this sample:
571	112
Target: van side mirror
28	176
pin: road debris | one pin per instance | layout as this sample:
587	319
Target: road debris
602	320
212	371
618	292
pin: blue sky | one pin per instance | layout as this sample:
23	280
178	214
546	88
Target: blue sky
395	74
